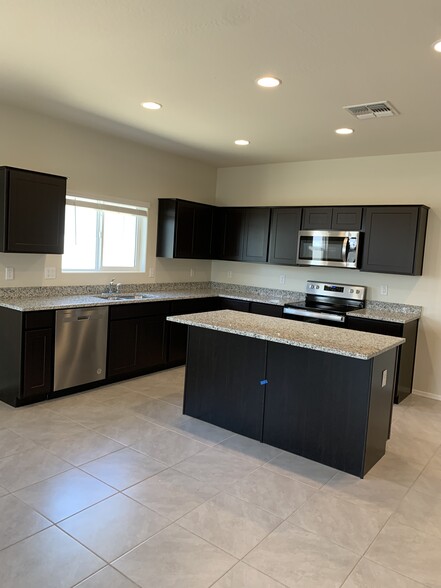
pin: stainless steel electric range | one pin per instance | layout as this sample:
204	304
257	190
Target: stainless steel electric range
326	303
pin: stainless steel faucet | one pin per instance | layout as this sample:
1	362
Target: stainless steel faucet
112	287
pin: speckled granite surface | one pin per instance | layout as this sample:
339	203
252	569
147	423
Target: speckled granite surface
355	344
52	298
391	312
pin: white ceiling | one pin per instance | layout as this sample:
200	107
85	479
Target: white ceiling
95	61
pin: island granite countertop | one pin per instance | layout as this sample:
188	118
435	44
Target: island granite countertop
357	344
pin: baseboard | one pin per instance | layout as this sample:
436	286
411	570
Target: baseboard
426	394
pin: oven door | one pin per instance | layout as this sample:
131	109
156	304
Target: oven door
328	248
314	316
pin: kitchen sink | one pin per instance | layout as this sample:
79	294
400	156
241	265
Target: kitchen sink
137	296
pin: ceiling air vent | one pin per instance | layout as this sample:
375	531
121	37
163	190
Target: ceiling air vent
372	110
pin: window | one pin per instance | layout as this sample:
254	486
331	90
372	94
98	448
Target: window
104	236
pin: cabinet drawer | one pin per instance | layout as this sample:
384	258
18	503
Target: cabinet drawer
123	311
39	319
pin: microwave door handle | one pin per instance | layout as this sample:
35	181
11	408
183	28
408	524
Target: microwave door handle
344	249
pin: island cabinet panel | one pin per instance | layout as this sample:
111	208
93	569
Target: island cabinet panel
284	230
394	239
177	333
406	352
319	405
223	379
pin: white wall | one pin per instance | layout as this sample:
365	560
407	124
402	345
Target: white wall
100	165
400	179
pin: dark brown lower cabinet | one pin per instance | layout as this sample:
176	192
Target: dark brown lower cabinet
329	408
224	377
326	407
137	339
37	363
26	357
233	304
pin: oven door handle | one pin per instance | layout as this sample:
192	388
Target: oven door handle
336	318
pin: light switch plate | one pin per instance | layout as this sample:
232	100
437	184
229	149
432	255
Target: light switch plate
9	273
282	279
383	378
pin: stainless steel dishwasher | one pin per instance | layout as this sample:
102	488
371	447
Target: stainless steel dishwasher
80	346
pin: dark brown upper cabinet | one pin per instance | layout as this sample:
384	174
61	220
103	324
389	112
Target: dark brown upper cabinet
336	218
32	210
394	239
242	233
285	225
184	229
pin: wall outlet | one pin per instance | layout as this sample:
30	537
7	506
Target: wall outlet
151	272
9	273
282	279
384	290
229	274
192	273
50	273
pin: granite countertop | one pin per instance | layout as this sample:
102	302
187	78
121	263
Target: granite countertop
396	313
357	344
57	302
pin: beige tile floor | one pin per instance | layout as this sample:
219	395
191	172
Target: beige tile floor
115	488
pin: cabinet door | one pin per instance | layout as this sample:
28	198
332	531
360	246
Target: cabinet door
151	348
223	381
317	218
184	229
229	233
37	362
285	225
36	212
394	239
256	233
346	218
325	424
123	345
202	232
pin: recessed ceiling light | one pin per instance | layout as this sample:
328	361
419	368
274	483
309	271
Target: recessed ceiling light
437	46
344	131
241	142
151	105
269	82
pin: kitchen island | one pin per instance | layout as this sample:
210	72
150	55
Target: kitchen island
324	393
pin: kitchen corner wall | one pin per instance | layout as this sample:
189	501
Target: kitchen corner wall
100	165
395	179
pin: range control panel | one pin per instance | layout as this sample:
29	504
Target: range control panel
336	290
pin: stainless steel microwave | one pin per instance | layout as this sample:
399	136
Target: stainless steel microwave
328	248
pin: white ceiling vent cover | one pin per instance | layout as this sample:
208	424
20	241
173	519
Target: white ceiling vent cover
372	110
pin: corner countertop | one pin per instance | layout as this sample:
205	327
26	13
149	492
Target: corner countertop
45	300
356	344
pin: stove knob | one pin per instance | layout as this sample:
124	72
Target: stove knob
317	287
351	291
357	291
